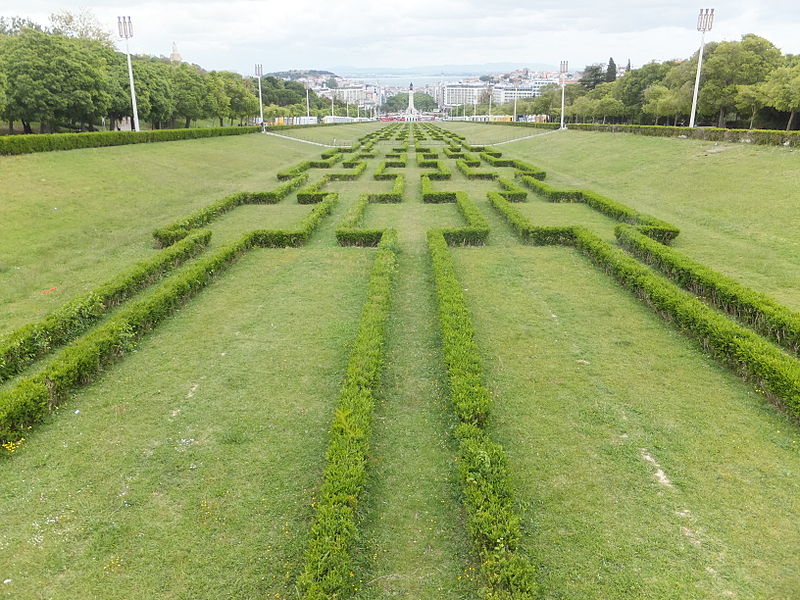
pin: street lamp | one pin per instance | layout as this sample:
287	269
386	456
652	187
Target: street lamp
126	32
308	105
516	93
563	77
704	22
259	74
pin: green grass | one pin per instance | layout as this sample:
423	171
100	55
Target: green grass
736	206
189	470
587	383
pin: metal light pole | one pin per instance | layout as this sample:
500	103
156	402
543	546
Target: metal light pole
126	32
563	77
491	97
308	105
333	95
704	22
516	93
259	73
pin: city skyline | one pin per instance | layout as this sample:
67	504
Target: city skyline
303	35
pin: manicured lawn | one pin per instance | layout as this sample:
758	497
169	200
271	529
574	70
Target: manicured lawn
642	468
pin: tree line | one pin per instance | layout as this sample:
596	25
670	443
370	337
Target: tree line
745	83
69	77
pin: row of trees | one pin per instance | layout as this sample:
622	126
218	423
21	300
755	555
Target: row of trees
744	83
70	77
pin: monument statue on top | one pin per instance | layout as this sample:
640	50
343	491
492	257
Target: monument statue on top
411	114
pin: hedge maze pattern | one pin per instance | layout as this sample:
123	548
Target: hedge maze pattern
42	362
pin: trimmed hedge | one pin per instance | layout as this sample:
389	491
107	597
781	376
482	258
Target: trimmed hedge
750	355
329	563
476	230
464	167
525	230
26	144
79	363
396	195
294	171
30	342
655	228
348	233
430	195
311	194
755	309
492	518
711	134
166	236
511	191
32	398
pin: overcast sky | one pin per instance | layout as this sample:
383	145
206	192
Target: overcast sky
234	34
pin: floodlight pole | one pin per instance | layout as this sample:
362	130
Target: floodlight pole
308	105
333	94
705	20
563	69
516	93
259	73
126	32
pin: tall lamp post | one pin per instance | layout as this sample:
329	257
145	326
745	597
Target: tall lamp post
516	93
704	22
259	74
563	77
126	33
308	105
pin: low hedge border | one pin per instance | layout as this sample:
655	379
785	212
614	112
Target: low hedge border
311	194
27	144
492	518
349	232
166	236
81	362
511	191
475	232
755	309
655	228
751	356
30	342
469	173
431	196
774	137
329	564
396	195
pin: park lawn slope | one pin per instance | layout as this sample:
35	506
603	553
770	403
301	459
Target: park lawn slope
190	467
648	471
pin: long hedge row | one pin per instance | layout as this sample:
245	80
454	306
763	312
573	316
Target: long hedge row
32	398
329	562
711	134
30	342
396	195
165	236
655	228
431	196
470	173
26	144
755	309
492	518
749	354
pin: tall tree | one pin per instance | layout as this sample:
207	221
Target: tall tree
190	91
593	75
611	70
81	24
732	64
782	90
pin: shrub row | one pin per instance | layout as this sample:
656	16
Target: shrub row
294	171
757	310
282	238
358	168
655	228
326	163
311	194
168	235
396	195
469	173
488	495
453	152
511	191
496	161
79	363
476	230
430	195
752	356
348	233
26	144
525	230
30	342
329	563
